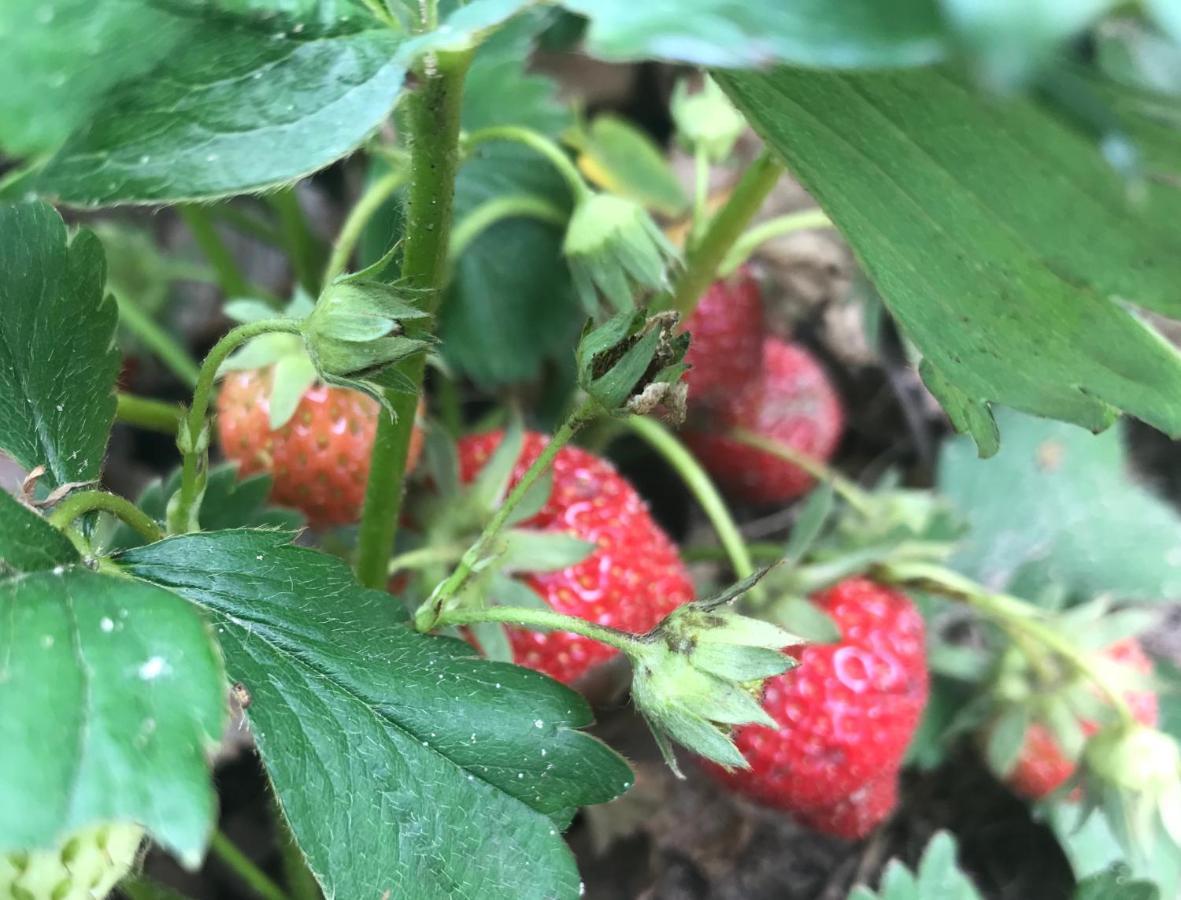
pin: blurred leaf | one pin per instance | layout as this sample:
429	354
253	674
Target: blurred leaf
809	524
1115	883
401	760
1129	52
1092	848
729	33
998	237
616	155
58	361
1005	738
1056	505
938	877
529	550
1169	676
945	716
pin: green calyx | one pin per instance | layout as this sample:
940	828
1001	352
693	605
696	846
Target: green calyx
633	363
615	249
701	671
87	865
706	119
1133	772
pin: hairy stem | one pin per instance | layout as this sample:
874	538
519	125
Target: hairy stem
704	257
428	614
160	342
434	160
853	495
545	620
701	486
252	876
229	277
778	227
154	415
1013	614
193	440
366	206
83	502
538	142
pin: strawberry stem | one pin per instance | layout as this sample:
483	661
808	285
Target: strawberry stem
755	237
252	876
857	498
1014	615
193	439
701	486
545	620
434	159
428	615
538	142
154	415
83	502
704	257
497	209
363	210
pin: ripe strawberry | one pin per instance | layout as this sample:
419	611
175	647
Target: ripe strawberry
631	582
858	814
726	351
793	403
1042	767
846	714
319	459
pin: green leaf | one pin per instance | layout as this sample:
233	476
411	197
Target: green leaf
616	155
1056	506
809	524
510	304
938	877
1092	848
232	107
801	616
401	761
27	542
58	362
113	697
999	238
1115	883
853	33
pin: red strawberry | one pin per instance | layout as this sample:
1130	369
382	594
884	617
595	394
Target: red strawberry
319	459
846	713
858	814
726	351
793	403
1042	767
631	582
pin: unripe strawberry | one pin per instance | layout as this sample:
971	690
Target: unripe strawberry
87	866
792	403
319	458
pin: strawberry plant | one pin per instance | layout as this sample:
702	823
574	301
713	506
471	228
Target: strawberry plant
396	428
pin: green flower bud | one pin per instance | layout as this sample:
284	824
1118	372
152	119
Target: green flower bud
1134	773
86	866
614	248
706	119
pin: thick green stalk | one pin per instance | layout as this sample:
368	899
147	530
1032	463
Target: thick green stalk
428	614
545	620
193	439
159	341
434	109
83	502
363	210
154	415
704	257
701	486
252	876
229	277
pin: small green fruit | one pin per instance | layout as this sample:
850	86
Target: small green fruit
87	866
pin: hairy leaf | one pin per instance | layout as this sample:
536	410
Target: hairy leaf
27	542
402	761
58	362
998	236
113	696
